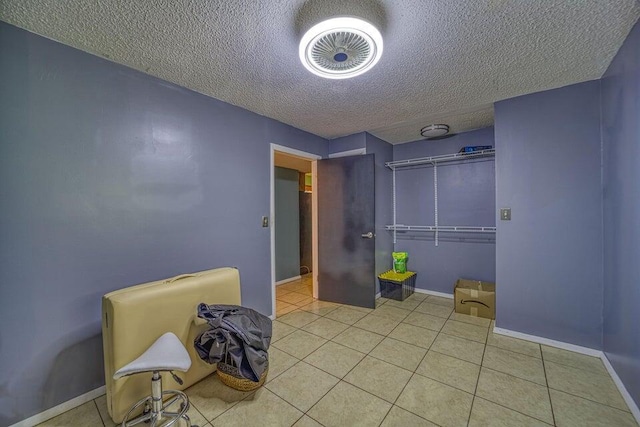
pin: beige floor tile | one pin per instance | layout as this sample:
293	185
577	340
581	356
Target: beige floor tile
392	313
577	412
303	385
425	321
398	417
407	304
326	328
290	286
262	408
379	302
465	330
448	302
417	296
520	395
285	310
305	302
415	335
335	359
280	330
346	405
579	382
379	378
194	415
516	364
280	290
84	415
406	356
303	288
437	402
279	361
307	421
292	297
321	308
366	310
434	309
451	371
281	304
299	344
298	318
570	358
485	413
465	318
377	324
212	398
464	349
346	315
101	403
513	344
359	339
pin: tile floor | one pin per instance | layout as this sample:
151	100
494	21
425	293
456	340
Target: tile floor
293	295
410	363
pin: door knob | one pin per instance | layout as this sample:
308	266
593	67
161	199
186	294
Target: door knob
368	235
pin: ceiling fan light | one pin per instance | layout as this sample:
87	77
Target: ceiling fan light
341	48
434	131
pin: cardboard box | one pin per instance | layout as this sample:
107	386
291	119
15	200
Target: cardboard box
475	298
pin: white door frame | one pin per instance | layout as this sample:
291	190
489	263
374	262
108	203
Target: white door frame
272	214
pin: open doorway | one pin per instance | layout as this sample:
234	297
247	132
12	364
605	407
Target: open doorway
293	229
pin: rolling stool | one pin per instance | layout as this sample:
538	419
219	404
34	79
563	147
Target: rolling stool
166	354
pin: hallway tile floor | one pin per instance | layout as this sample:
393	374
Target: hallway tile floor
293	295
410	363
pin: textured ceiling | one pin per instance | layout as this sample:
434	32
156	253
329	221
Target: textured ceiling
443	61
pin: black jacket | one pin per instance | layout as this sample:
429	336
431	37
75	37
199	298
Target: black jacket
237	333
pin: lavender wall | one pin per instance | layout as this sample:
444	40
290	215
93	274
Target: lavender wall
383	152
466	196
549	265
621	140
108	178
346	143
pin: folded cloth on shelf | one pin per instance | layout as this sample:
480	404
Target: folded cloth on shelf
238	333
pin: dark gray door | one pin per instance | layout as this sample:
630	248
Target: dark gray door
346	221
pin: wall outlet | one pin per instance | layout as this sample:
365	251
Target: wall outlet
505	214
265	221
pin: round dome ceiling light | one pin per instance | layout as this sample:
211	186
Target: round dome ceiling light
434	131
341	48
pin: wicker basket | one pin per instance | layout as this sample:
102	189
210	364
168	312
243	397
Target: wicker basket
230	376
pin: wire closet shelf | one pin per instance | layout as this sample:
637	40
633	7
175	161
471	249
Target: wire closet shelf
434	161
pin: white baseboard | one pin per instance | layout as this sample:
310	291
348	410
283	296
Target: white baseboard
290	279
434	293
61	408
546	341
378	295
633	407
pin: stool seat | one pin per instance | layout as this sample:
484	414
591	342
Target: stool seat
166	354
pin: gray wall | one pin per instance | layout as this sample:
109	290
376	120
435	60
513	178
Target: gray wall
109	178
466	196
549	265
621	139
287	223
383	152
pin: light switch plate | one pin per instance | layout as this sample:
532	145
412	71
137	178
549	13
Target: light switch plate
265	221
505	214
